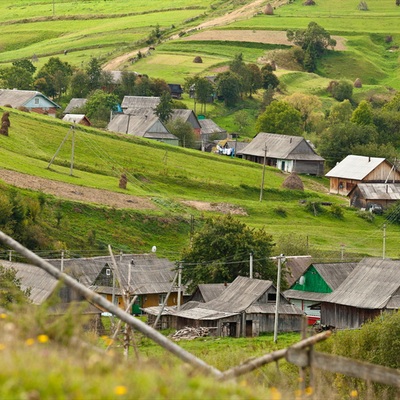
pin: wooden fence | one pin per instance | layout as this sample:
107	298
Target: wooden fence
301	354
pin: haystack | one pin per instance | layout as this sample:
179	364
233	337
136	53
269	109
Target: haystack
293	182
269	10
357	83
198	60
309	3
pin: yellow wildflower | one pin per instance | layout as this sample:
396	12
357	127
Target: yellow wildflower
29	341
43	338
2	346
275	394
3	316
309	391
354	393
120	390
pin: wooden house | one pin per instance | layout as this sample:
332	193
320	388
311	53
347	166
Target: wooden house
313	285
365	194
143	275
75	104
132	103
288	153
360	169
80	119
370	289
142	125
208	291
245	308
187	116
176	90
295	267
32	100
210	130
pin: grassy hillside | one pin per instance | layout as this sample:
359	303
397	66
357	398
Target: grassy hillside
168	175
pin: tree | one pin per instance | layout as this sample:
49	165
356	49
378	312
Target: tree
341	90
142	86
16	78
93	71
164	107
229	87
158	87
184	131
314	40
10	289
241	120
99	105
280	117
203	90
394	104
338	140
253	79
306	104
79	85
53	78
269	79
363	114
26	65
220	252
340	113
127	84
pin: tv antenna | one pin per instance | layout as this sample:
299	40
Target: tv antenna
71	129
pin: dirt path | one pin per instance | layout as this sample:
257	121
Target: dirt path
75	192
244	12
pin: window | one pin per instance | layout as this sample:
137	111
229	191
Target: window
108	272
161	299
37	101
271	297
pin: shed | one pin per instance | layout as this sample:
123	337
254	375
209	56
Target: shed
80	119
32	100
210	130
176	90
365	194
143	125
370	289
75	104
312	286
354	169
136	102
245	308
288	153
187	116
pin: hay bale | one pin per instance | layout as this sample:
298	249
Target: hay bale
309	3
22	108
5	119
123	181
269	10
198	60
357	83
293	182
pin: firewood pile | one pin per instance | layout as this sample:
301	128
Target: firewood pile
188	333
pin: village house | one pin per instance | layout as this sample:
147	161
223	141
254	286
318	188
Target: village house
75	104
288	153
211	131
360	169
143	125
313	285
245	308
367	195
176	90
80	119
28	99
372	288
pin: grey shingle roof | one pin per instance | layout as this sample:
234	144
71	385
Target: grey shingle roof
73	118
140	102
302	295
208	126
334	273
281	146
380	191
355	167
210	291
74	104
372	284
17	98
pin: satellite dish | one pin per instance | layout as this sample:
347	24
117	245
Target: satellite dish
302	280
154	249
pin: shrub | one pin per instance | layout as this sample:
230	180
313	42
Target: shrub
336	211
362	6
314	207
366	215
280	211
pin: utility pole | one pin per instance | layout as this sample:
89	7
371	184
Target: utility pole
278	294
179	287
384	242
62	261
72	150
251	266
263	172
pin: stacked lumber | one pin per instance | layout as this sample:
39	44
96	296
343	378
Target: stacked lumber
188	333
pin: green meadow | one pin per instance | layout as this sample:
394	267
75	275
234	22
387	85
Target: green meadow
168	175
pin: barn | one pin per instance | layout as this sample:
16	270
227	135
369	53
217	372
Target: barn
288	153
360	169
370	289
365	194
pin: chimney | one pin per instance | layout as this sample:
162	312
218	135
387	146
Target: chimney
369	159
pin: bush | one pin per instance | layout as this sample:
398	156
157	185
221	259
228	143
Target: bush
362	6
366	215
336	211
280	211
314	207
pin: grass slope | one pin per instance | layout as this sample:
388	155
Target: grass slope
167	175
